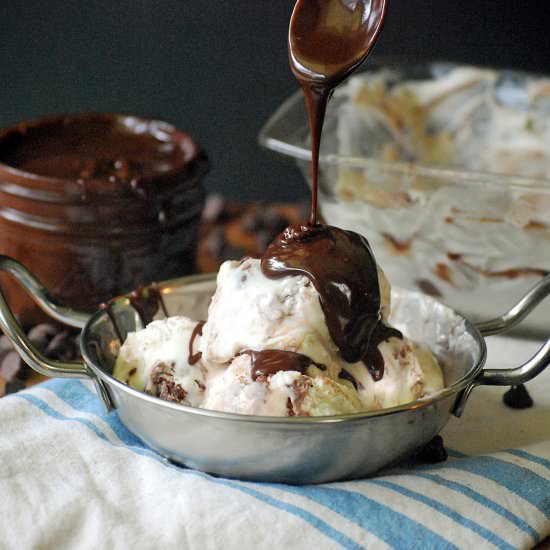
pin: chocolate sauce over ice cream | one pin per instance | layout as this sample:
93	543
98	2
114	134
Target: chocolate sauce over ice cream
327	40
271	361
343	270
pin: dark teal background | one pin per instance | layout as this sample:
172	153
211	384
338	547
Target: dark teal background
219	68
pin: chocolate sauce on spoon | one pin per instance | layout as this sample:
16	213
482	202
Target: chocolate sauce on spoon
327	40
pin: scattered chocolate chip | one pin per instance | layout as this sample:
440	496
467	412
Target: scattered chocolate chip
517	397
214	208
433	452
215	242
10	366
62	347
15	385
41	334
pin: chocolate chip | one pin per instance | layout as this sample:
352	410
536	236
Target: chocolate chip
10	366
14	386
215	242
62	347
41	334
214	208
517	397
433	452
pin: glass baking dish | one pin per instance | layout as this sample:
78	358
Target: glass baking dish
474	238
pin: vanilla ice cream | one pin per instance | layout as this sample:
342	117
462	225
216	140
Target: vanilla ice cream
173	360
155	359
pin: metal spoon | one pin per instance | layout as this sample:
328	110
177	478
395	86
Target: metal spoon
328	39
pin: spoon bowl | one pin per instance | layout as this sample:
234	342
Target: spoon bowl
328	39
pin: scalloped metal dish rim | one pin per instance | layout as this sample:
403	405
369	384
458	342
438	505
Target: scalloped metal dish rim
456	387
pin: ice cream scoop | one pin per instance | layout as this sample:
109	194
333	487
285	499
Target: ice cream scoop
155	359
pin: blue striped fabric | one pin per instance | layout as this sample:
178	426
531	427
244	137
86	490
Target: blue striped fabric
488	501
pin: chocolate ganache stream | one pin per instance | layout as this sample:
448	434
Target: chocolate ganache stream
328	39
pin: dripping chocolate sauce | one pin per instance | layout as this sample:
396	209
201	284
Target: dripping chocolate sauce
194	358
146	300
271	361
346	375
339	263
373	358
108	308
343	270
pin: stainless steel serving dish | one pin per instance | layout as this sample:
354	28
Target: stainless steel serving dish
296	449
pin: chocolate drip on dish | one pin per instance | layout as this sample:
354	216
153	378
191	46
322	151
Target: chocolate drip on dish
271	361
146	300
108	308
342	268
194	358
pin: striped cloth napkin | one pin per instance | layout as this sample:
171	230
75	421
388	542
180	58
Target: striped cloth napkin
72	476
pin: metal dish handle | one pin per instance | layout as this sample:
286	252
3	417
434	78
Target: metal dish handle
528	370
11	328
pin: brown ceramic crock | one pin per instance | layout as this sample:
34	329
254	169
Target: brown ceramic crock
97	204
